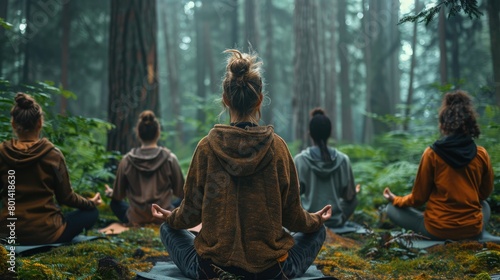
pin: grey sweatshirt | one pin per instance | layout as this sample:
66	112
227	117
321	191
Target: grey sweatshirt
325	183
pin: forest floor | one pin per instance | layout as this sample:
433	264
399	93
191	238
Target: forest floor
352	256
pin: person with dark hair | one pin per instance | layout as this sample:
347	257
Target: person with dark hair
145	175
243	187
325	174
454	178
32	172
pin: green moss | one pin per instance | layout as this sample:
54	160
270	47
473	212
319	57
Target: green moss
482	276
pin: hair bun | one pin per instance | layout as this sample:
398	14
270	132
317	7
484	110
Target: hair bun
24	101
239	67
147	117
317	111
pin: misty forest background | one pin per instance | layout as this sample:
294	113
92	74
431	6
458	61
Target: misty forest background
95	65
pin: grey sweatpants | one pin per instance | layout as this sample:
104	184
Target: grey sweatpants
411	219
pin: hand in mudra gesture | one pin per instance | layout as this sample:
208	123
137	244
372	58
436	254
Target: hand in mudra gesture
159	212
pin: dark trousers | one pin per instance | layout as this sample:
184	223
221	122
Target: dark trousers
76	221
119	208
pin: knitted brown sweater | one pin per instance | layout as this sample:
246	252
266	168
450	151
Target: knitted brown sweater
243	187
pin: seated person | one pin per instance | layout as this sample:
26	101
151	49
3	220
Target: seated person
454	178
325	174
32	172
242	186
145	175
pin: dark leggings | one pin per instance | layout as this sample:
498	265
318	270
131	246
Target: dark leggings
119	208
76	221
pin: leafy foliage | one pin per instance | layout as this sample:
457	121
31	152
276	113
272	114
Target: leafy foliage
80	139
5	24
469	7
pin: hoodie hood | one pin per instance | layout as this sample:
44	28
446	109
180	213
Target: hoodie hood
148	160
456	150
19	154
242	152
320	167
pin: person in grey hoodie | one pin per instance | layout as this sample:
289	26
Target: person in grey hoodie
325	174
146	175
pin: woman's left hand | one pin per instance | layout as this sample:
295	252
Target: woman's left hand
325	213
159	212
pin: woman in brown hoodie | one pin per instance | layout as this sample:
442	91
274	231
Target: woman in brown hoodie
454	178
148	174
32	172
243	187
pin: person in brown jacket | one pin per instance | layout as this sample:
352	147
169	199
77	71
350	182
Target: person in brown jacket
32	172
146	175
243	187
454	178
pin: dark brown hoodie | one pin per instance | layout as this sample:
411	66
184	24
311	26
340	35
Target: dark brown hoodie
40	174
242	185
146	176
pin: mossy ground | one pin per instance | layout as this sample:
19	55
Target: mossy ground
351	256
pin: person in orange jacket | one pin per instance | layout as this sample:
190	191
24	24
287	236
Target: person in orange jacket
454	178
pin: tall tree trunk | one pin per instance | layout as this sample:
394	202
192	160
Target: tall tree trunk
384	48
133	84
3	39
251	24
170	32
306	68
269	62
494	24
200	61
409	98
234	24
209	57
394	50
66	26
443	61
367	120
345	88
455	24
330	78
26	76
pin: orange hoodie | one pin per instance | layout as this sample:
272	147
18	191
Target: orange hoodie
453	195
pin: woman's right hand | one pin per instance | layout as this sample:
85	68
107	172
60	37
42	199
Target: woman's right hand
96	199
388	195
159	212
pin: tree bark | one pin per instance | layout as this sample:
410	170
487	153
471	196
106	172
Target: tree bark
200	62
269	63
251	24
66	26
409	98
345	88
234	25
306	67
331	71
367	120
494	24
26	75
133	84
443	61
170	32
455	24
